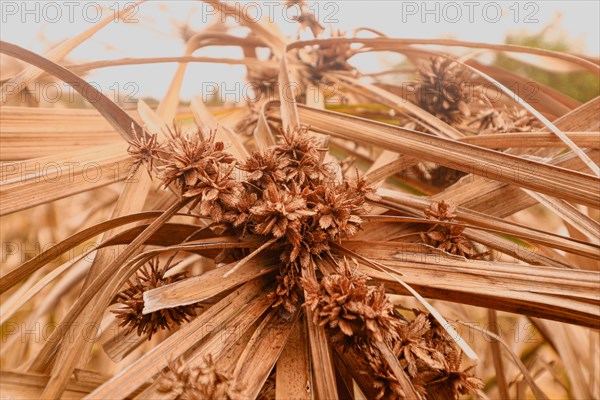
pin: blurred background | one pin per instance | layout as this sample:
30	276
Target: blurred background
160	29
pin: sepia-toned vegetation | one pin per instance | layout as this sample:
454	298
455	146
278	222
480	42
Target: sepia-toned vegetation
418	233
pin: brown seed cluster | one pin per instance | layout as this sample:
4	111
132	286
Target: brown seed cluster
288	199
443	90
360	318
205	381
349	307
447	238
287	194
491	120
144	148
201	169
150	276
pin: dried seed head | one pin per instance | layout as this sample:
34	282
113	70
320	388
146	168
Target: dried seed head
451	382
145	149
413	347
279	213
302	151
287	293
204	381
265	168
441	211
347	306
150	276
491	120
447	238
201	168
442	90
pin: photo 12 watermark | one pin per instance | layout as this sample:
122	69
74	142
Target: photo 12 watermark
461	12
68	11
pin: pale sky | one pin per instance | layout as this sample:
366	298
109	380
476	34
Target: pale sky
152	31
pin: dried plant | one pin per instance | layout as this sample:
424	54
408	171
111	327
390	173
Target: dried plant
491	120
131	301
447	238
443	90
318	277
144	148
204	381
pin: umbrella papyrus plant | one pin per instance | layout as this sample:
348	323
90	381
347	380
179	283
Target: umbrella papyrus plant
303	248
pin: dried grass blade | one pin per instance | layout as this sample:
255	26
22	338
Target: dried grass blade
541	177
323	374
293	366
202	287
261	353
490	223
22	189
497	357
118	118
537	392
287	94
578	220
9	309
30	266
208	122
565	339
382	96
102	290
570	144
27	385
400	45
565	295
394	365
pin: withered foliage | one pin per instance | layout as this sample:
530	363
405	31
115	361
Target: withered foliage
282	221
288	197
130	316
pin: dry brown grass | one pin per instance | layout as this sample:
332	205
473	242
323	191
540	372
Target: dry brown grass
267	249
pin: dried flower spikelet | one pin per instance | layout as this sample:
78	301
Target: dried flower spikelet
302	151
347	306
383	379
334	57
447	238
415	349
130	316
443	90
451	382
288	288
205	381
201	169
279	213
491	120
145	149
265	168
430	358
